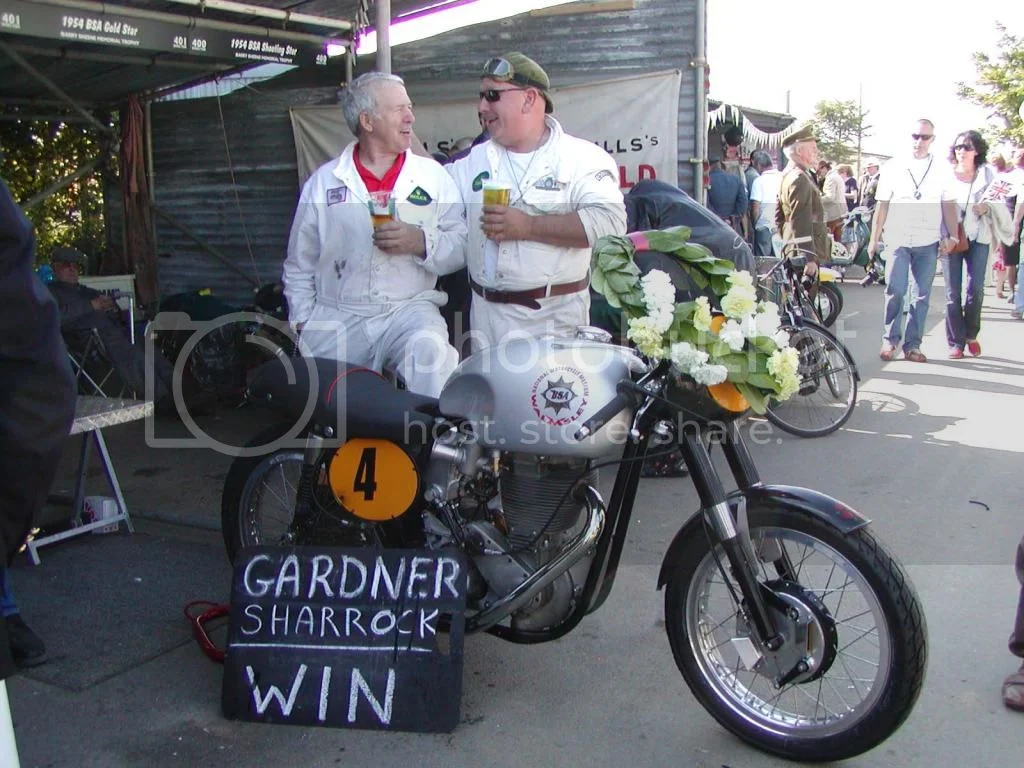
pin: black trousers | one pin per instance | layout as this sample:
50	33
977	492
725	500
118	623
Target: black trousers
1017	635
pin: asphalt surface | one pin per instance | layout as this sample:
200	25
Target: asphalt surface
932	455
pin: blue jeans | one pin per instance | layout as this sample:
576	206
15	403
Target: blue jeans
920	260
963	321
762	241
7	605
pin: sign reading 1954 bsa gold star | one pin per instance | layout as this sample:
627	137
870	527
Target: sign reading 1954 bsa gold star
346	638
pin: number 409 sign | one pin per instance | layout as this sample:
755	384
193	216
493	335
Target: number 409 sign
374	479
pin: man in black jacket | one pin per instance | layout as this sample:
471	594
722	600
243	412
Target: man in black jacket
37	393
83	308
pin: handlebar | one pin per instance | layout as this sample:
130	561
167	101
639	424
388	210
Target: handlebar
627	394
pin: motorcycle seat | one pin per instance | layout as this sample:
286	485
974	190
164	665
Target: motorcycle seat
354	401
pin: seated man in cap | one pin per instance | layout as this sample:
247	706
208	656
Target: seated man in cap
799	212
529	257
83	309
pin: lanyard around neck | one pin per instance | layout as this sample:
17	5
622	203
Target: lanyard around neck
917	184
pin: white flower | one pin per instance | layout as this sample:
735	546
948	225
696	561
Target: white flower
709	374
686	357
659	293
732	334
661	320
767	322
739	302
646	336
702	315
742	279
781	339
784	366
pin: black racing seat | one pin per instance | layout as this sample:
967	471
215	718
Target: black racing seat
354	401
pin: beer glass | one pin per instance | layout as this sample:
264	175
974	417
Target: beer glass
382	208
496	193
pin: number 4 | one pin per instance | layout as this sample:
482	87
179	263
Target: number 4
366	474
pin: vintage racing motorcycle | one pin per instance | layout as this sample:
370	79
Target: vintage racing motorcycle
790	622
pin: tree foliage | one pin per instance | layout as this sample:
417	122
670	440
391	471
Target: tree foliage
839	124
36	154
999	87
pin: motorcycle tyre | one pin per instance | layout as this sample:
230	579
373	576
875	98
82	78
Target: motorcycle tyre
245	470
903	614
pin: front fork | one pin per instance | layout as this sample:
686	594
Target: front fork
735	540
302	518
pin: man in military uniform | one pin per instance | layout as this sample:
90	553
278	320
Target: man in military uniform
799	212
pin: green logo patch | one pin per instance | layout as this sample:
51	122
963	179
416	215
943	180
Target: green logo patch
478	182
419	196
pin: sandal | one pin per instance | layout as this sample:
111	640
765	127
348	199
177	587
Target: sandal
955	353
887	352
915	356
974	348
1013	691
1015	314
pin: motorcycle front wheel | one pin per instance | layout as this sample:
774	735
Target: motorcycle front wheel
848	613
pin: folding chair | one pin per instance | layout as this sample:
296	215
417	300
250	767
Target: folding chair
91	364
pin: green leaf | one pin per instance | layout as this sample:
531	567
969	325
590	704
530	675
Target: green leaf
764	345
763	381
669	239
758	401
696	275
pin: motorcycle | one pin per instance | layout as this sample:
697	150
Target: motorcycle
788	619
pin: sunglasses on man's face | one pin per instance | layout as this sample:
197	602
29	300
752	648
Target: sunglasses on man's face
964	148
492	95
922	136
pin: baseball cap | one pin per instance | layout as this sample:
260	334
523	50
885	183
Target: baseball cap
517	68
66	255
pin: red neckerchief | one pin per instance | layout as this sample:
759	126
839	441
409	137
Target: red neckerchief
373	184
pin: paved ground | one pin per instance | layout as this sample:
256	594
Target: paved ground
932	454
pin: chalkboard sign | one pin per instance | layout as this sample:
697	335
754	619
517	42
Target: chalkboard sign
346	638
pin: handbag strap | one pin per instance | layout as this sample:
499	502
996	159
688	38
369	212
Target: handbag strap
963	216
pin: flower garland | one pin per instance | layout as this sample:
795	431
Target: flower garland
741	341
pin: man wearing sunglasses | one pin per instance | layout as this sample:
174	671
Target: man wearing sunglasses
363	291
913	201
529	260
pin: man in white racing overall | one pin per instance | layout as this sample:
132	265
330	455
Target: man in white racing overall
529	261
364	295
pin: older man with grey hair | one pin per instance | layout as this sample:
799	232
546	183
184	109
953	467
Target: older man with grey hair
372	232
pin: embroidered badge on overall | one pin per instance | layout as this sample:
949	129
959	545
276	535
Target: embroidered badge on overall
419	196
550	183
478	182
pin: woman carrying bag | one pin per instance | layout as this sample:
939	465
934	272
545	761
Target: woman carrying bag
972	177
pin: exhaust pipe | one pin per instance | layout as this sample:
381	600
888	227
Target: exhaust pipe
543	576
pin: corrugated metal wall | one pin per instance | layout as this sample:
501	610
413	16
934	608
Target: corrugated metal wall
193	176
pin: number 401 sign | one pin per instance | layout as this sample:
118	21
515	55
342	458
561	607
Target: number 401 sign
374	479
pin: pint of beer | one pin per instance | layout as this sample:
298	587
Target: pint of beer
382	208
496	193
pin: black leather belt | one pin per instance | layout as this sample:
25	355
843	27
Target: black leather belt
529	298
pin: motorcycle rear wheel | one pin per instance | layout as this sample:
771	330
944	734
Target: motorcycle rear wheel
258	502
827	304
860	696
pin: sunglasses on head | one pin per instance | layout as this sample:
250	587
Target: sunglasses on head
502	69
964	148
922	136
491	95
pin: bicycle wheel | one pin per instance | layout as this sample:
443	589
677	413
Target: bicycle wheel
828	385
826	306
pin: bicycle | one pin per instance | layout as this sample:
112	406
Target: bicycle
827	301
828	373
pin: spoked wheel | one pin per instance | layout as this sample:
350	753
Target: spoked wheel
828	385
855	649
258	503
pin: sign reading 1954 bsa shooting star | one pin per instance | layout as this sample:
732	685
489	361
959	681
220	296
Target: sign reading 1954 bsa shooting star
346	638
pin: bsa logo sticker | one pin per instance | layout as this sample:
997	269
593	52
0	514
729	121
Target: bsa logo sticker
419	196
337	195
478	182
560	396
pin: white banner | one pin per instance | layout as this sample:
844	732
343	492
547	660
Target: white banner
635	119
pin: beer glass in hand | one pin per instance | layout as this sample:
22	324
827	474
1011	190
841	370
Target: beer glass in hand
496	193
382	207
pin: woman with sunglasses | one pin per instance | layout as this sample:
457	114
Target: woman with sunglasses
972	177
